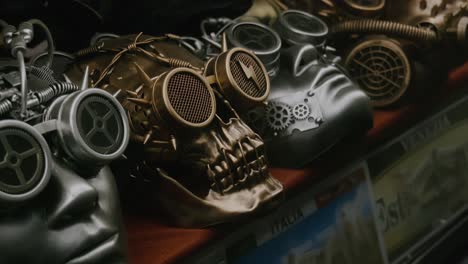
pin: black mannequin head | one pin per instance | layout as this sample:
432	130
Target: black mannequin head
75	219
58	199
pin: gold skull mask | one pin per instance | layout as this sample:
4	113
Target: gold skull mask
206	166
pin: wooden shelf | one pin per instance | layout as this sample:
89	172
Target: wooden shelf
150	240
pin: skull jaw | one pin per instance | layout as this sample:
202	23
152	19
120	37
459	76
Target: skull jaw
189	210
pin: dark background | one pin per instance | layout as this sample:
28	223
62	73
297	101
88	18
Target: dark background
73	22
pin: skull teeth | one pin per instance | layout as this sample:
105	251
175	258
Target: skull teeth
240	173
234	173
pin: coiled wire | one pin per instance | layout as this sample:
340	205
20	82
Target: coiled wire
44	73
174	62
88	51
370	26
5	106
55	89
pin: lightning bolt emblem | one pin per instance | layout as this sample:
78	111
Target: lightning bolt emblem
250	73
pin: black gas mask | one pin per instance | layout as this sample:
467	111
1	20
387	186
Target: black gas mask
56	140
313	103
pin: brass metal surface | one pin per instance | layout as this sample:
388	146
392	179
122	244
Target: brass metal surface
381	68
265	11
436	12
241	77
364	7
335	11
185	97
202	162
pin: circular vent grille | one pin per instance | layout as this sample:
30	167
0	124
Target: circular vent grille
22	161
248	74
382	70
190	97
100	124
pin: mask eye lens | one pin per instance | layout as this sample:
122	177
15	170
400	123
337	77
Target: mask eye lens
101	124
260	39
305	23
248	74
298	27
24	161
187	98
92	126
253	36
242	78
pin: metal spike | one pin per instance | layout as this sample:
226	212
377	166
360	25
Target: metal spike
173	143
124	157
148	137
224	46
85	80
139	89
143	76
117	93
328	3
132	93
160	142
140	102
67	79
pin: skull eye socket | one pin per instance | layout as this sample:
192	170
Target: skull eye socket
187	98
242	78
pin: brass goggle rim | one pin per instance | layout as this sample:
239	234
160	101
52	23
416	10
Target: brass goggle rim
170	108
226	71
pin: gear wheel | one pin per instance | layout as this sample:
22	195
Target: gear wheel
278	116
301	111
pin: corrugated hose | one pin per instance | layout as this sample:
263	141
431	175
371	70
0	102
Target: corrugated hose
395	29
